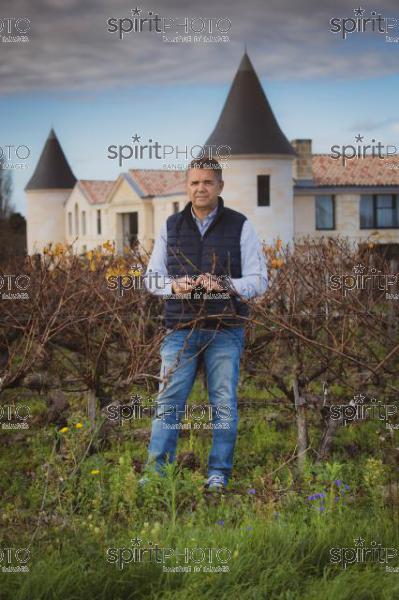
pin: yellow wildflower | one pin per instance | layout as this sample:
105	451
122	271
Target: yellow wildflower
59	249
108	246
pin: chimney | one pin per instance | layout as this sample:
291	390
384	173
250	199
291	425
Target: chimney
303	162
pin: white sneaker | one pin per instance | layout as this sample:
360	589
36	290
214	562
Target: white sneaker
215	482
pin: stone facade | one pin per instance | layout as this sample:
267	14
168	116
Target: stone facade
133	208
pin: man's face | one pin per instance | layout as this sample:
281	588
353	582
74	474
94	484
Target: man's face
203	188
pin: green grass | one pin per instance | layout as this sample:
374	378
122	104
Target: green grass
279	539
275	556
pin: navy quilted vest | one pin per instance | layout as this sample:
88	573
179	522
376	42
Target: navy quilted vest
217	252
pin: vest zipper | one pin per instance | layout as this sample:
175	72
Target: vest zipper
200	251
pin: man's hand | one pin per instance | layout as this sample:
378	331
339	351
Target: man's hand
211	284
182	285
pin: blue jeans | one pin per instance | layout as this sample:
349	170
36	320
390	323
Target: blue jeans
180	351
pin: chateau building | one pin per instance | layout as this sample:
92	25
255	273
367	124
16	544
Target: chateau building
287	191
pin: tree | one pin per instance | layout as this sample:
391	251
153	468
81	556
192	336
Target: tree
6	206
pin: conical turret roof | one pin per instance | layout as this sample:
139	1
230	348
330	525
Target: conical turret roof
247	123
52	171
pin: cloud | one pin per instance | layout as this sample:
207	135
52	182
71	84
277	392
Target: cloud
71	49
374	125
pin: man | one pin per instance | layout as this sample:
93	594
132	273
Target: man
211	260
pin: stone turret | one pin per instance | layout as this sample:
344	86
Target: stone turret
258	173
46	193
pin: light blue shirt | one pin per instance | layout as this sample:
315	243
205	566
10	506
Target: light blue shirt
254	280
203	225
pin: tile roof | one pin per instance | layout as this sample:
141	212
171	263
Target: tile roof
327	172
368	171
96	190
155	182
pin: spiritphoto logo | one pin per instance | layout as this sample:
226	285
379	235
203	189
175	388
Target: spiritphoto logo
14	29
183	559
14	157
361	554
361	409
153	150
14	560
13	287
360	279
187	29
14	416
136	280
194	416
361	23
362	150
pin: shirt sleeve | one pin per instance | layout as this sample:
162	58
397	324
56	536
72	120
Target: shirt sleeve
254	279
156	279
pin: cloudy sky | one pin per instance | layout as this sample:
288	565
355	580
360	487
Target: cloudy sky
97	90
